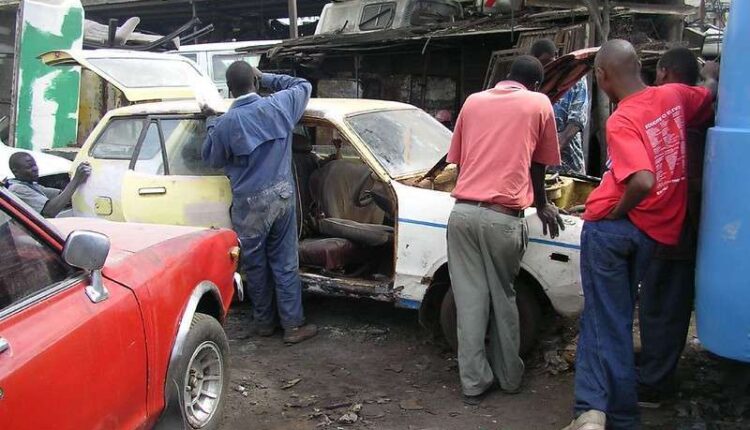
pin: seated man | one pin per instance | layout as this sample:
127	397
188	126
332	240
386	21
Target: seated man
47	201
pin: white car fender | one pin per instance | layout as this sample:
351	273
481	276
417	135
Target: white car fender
422	250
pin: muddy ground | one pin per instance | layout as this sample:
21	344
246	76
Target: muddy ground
374	367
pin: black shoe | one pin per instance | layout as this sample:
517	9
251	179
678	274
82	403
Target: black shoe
473	400
649	398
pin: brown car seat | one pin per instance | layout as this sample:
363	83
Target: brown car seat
349	226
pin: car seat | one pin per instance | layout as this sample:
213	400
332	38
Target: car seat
336	190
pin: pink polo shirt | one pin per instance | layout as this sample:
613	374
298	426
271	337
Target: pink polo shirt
498	134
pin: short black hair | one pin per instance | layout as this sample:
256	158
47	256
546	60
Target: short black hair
543	46
16	159
683	63
526	70
240	78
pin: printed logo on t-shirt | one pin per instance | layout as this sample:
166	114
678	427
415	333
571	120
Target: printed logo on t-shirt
666	135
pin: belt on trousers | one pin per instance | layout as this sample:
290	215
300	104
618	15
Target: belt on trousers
495	207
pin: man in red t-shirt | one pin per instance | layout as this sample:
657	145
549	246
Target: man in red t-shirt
641	201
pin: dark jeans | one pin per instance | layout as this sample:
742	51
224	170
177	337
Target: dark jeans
614	258
266	225
665	306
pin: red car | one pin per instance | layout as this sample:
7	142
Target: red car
122	338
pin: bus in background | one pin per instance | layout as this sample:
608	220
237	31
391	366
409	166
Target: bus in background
214	58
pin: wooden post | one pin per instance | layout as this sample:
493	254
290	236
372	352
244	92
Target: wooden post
293	34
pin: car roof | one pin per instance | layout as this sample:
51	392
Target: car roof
317	107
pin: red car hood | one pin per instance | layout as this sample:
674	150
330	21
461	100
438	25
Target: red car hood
126	238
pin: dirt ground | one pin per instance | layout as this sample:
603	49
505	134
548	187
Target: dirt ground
374	367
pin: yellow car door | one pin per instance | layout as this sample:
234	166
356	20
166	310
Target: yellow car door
168	183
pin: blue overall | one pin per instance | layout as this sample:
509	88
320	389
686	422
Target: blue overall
252	142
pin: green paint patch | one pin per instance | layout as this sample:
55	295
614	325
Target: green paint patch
38	124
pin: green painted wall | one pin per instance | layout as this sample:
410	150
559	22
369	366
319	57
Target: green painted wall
47	97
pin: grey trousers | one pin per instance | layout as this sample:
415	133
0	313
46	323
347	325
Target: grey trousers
484	256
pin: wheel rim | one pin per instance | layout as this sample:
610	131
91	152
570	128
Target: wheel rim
204	380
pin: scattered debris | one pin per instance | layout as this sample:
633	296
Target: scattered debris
349	418
291	383
395	368
411	405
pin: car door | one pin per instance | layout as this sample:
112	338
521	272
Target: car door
168	182
65	362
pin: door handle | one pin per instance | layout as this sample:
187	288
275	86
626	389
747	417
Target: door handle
4	345
152	191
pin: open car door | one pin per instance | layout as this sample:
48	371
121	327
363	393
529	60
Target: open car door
168	182
141	76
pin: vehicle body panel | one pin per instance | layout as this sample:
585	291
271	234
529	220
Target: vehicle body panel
63	343
163	280
104	365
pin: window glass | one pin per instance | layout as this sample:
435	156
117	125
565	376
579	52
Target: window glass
192	57
405	141
148	72
184	141
221	62
118	140
28	266
377	16
330	144
150	159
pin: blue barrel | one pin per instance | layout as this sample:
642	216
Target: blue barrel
723	271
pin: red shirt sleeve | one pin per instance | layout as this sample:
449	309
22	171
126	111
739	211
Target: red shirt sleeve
547	150
454	153
628	151
697	103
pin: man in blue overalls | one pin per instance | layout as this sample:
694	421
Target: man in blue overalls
252	142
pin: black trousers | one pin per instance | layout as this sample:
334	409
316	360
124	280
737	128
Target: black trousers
666	303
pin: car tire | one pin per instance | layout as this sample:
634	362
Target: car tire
205	355
529	314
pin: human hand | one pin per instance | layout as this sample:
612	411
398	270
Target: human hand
551	220
83	171
207	110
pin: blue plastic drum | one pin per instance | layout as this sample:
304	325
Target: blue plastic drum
723	273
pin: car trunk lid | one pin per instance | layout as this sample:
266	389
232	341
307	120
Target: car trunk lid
141	76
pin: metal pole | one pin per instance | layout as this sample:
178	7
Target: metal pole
293	19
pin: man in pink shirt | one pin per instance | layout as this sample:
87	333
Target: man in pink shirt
503	141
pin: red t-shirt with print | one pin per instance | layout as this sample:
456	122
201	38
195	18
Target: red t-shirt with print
648	132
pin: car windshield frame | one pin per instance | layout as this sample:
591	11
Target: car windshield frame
407	168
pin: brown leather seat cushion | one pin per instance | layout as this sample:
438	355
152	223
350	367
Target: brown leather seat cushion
330	253
365	234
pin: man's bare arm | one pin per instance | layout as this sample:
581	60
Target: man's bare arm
638	187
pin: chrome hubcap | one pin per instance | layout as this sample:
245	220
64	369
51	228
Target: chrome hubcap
204	381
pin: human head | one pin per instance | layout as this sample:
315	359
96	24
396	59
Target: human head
617	68
528	71
241	79
677	66
444	117
544	50
24	167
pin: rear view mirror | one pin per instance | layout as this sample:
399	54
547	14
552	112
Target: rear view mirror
88	250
